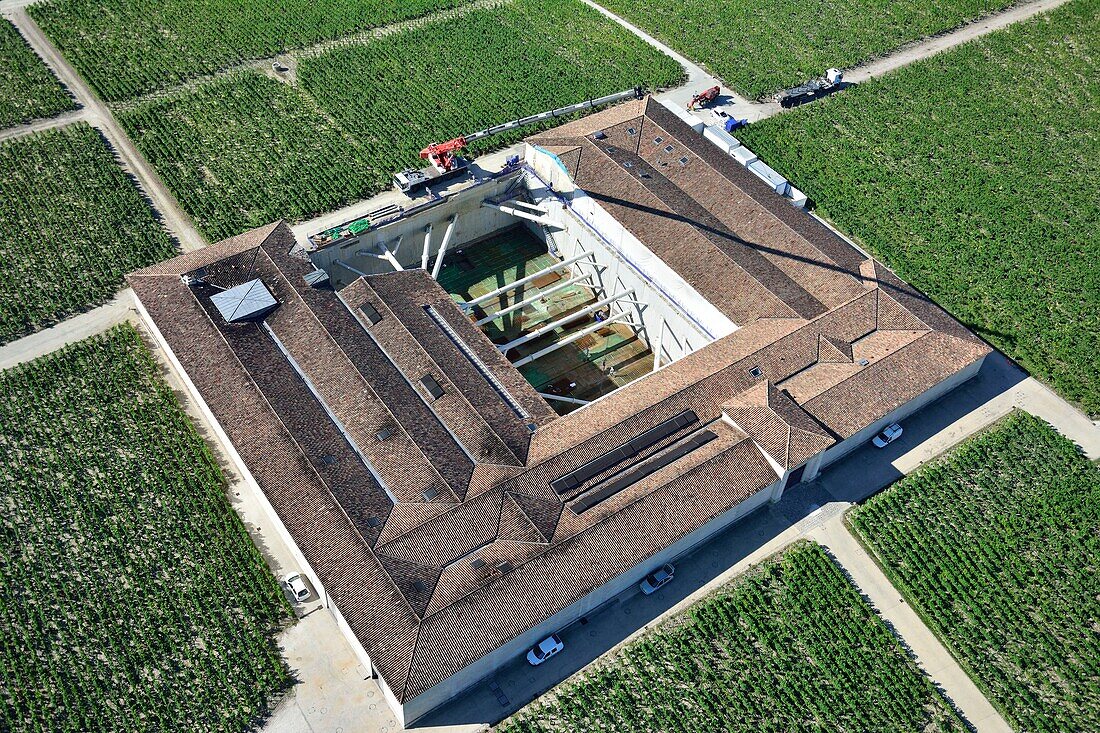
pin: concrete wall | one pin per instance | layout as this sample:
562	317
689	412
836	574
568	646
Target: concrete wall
675	315
474	222
841	449
517	647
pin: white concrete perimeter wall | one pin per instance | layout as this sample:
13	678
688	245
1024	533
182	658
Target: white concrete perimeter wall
675	315
246	476
474	222
484	667
853	442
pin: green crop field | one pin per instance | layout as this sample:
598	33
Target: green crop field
71	225
976	175
762	46
126	48
27	88
132	597
997	547
791	645
244	150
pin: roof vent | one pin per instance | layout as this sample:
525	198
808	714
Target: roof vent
864	362
194	277
431	386
756	372
658	140
374	522
684	160
600	135
669	148
328	460
384	434
505	567
419	586
371	313
628	164
245	301
631	131
316	278
477	563
430	494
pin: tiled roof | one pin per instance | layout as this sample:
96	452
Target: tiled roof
428	513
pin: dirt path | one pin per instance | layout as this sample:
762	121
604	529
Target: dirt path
931	655
43	123
69	331
930	47
98	115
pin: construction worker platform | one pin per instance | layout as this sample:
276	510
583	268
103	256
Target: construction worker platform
553	320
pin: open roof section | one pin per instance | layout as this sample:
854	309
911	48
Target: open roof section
327	404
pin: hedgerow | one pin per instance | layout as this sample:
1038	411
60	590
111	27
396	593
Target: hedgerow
997	547
133	598
71	225
761	46
126	48
791	645
975	174
27	88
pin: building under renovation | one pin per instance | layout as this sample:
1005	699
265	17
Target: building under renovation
491	409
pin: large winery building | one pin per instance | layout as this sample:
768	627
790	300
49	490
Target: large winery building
490	411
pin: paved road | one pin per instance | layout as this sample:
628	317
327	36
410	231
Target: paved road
931	655
97	114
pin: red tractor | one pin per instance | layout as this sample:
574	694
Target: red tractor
704	99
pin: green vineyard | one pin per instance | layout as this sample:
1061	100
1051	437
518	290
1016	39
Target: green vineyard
976	175
759	47
789	646
133	599
126	48
997	548
71	225
243	150
28	90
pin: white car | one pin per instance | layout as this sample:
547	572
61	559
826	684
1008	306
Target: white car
887	436
296	584
657	579
545	649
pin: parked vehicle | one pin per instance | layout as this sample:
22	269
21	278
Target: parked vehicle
887	436
296	584
545	649
656	580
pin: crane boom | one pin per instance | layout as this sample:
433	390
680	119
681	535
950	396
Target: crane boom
443	156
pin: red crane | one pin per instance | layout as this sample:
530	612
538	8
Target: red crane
702	99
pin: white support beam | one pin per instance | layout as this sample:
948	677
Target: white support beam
564	320
562	398
512	211
523	281
537	296
447	236
346	266
660	345
386	255
427	247
568	340
536	207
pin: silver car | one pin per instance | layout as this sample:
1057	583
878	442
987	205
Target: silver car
656	580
